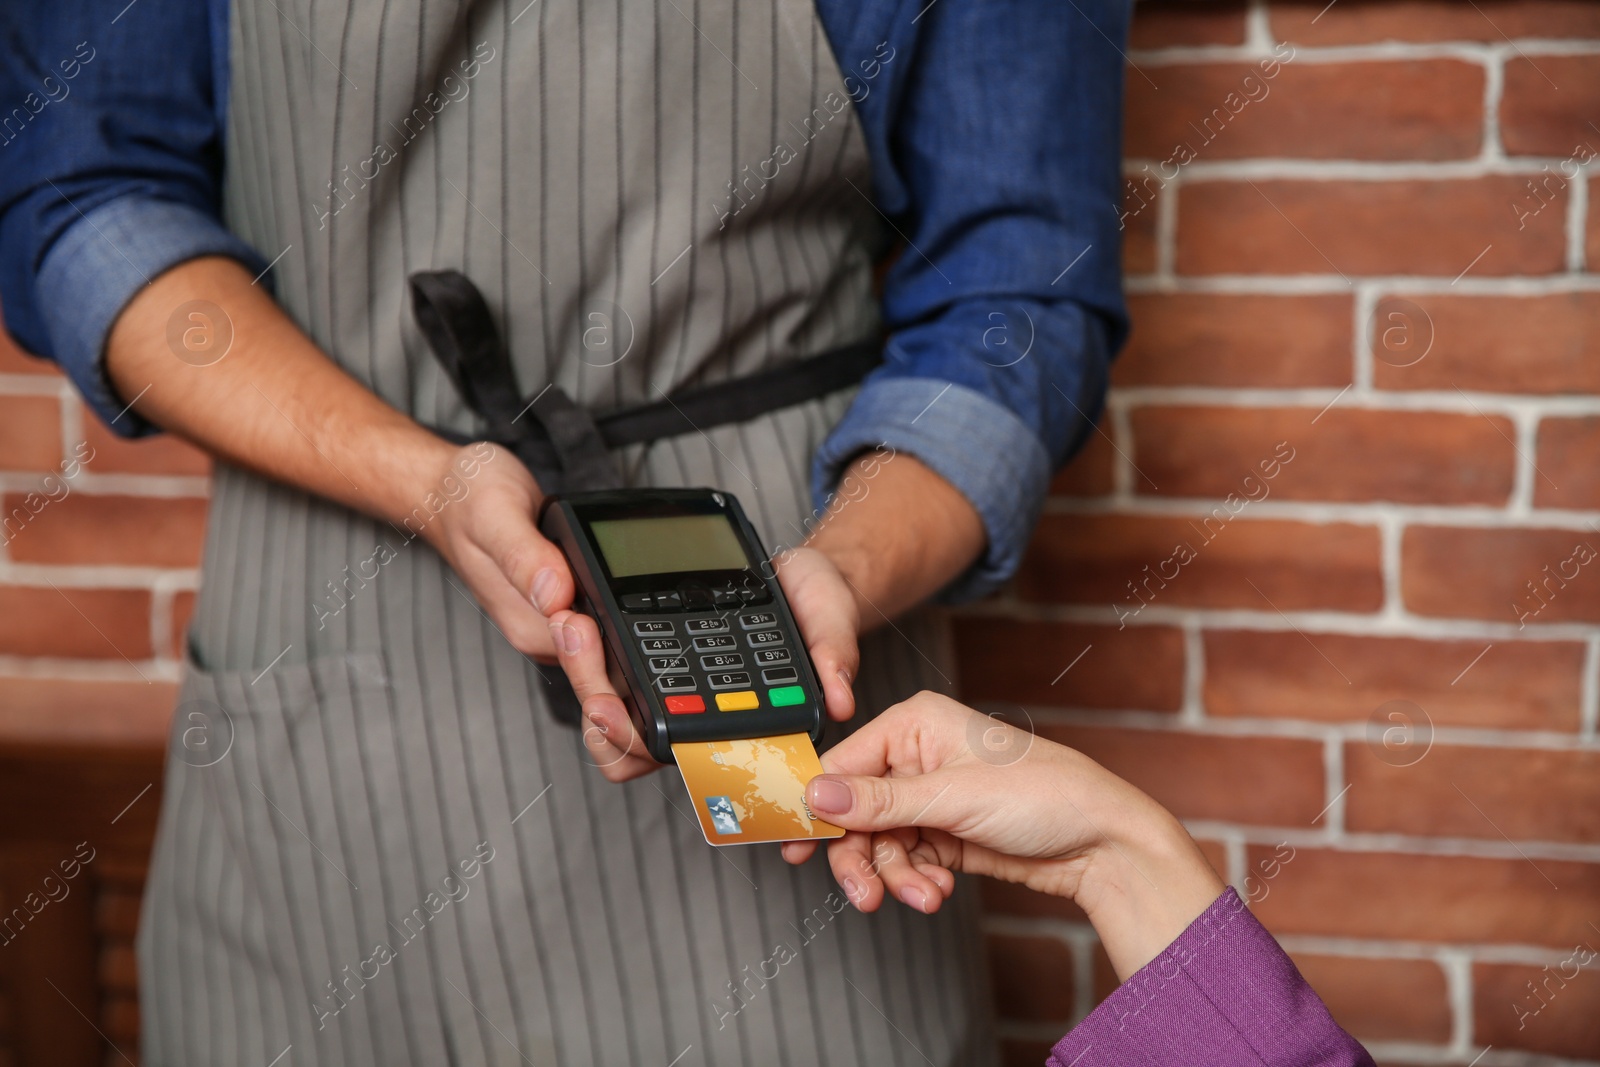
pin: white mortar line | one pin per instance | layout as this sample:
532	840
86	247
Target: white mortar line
1406	284
1457	966
1258	40
1334	787
1363	307
1315	398
1299	169
1391	528
1526	431
1348	731
1167	227
1577	219
30	385
1589	708
1083	940
71	424
1476	52
1124	479
1384	948
1193	710
96	576
1494	85
1237	861
64	669
1314	513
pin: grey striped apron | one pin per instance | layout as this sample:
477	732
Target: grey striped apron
376	846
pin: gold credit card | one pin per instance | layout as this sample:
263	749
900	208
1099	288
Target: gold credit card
754	790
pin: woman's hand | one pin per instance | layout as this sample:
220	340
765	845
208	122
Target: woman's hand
932	787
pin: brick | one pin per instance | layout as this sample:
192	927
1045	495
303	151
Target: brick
1032	977
182	611
118	970
1168	23
1316	22
1263	781
1349	454
1555	1016
75	623
1018	901
1019	1052
1021	662
30	433
1294	565
1355	228
1466	791
1547	106
13	360
1141	201
133	531
1516	685
1381	1000
1487	573
160	454
1565	456
1391	110
1500	344
1245	340
1089	473
55	711
1410	897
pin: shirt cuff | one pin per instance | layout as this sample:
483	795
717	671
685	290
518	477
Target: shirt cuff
97	265
1223	994
990	456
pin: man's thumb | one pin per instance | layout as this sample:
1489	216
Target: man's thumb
862	802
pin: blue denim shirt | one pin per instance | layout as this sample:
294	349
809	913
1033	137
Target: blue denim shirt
994	141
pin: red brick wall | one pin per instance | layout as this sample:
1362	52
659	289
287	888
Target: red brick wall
1352	262
1377	261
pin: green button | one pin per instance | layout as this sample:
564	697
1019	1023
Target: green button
786	695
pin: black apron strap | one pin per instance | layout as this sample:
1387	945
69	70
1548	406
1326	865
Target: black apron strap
456	323
565	447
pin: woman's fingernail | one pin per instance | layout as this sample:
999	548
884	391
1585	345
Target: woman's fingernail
544	587
844	676
830	795
914	898
571	639
852	890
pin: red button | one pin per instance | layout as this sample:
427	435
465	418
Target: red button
685	705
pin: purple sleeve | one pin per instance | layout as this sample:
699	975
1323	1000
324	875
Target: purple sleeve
1224	994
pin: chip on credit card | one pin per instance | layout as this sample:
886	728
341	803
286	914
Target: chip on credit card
754	790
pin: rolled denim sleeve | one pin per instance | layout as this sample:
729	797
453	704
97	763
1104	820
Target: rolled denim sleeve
110	171
977	443
98	265
994	132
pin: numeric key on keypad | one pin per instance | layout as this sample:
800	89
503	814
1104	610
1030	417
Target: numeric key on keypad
727	661
759	620
734	680
764	637
769	656
706	626
713	644
647	629
668	664
656	645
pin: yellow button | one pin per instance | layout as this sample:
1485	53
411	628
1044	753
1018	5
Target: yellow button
738	701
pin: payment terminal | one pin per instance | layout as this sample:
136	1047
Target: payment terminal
700	643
